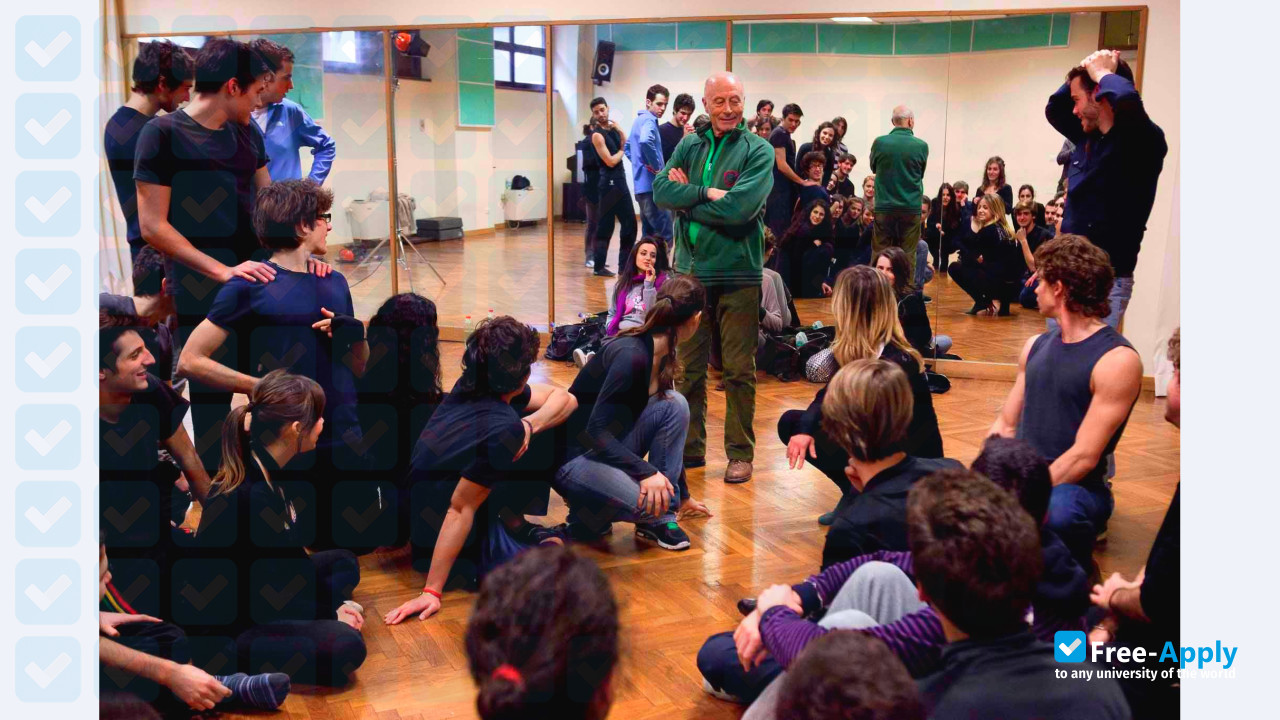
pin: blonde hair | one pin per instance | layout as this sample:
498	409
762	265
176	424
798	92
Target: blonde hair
998	215
866	314
867	410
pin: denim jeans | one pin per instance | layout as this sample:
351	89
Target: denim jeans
653	219
1121	293
598	494
1077	514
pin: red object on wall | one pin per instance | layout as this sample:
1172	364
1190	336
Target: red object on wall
402	41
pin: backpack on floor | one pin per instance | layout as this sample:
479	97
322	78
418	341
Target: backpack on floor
779	358
587	335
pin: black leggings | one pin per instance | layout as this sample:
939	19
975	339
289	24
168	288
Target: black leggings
615	203
163	640
981	284
831	458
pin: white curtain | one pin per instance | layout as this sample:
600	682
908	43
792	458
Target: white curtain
114	270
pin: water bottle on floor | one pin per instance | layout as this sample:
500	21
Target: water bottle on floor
468	327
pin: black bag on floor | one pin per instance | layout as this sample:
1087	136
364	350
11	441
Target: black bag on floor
587	335
779	358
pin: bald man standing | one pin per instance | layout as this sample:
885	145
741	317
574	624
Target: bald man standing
716	182
898	160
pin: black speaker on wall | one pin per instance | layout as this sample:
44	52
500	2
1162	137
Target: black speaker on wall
603	69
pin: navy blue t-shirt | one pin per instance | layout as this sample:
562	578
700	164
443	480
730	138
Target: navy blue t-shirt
472	438
120	143
269	327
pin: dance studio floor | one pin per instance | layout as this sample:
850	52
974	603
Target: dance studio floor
763	532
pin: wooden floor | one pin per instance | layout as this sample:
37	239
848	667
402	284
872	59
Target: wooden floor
763	532
507	271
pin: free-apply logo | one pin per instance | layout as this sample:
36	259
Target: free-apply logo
1070	646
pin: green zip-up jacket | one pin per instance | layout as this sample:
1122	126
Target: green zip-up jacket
720	242
898	160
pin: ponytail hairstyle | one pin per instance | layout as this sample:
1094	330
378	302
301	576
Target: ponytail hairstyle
866	314
542	641
277	401
680	298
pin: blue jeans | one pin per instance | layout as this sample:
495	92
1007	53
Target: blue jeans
1077	514
598	494
653	219
1121	293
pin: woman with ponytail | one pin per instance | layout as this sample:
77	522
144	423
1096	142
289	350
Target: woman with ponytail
867	327
628	408
254	522
542	641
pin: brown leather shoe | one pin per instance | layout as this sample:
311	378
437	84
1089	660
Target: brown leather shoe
739	471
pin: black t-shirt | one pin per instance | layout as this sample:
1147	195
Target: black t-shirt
845	188
210	175
269	326
120	144
780	138
808	194
613	142
671	136
472	438
134	485
612	390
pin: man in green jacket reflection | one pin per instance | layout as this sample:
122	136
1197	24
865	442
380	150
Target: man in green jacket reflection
716	182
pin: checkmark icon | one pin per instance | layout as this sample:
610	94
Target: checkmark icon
365	130
44	676
290	668
44	288
293	355
361	521
1068	646
44	211
44	598
43	133
280	598
360	444
200	600
122	444
48	53
44	521
278	521
1068	649
44	366
44	444
121	522
201	210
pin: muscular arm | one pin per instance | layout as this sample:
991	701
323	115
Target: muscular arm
780	160
549	406
467	498
197	363
1006	423
597	141
1117	380
180	447
153	220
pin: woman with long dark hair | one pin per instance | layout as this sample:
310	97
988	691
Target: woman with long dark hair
824	141
402	392
253	523
892	263
628	408
542	641
1027	194
842	126
994	181
867	326
807	251
990	267
943	229
642	276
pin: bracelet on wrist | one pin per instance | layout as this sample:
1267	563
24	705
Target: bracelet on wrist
434	593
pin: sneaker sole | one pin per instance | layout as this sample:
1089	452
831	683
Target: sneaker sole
650	538
717	693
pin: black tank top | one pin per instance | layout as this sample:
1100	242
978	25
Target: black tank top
609	175
1056	395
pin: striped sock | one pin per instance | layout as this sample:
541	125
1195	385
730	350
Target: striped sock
266	691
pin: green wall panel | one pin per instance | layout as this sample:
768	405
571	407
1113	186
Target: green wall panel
741	38
783	38
961	35
701	35
475	105
308	70
475	78
923	39
1061	33
476	34
475	62
1011	33
873	39
650	37
836	39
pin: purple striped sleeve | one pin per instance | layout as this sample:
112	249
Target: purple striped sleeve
829	581
916	639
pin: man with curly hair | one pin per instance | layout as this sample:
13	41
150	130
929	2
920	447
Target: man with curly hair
1076	386
477	444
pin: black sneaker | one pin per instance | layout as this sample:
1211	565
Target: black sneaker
578	532
605	272
534	534
667	536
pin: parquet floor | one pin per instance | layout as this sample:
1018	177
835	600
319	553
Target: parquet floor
507	271
764	531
